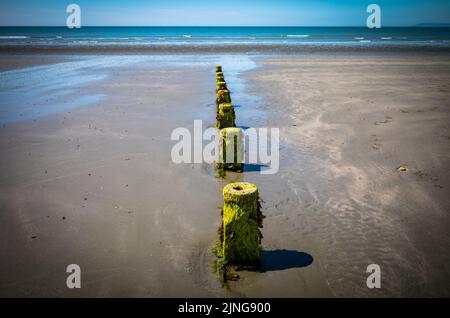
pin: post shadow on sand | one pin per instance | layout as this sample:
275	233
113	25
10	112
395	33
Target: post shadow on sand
277	260
254	167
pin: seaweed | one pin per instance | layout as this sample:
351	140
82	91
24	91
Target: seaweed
221	86
225	116
231	151
239	236
223	96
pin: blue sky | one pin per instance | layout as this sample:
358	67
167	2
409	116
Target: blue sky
224	13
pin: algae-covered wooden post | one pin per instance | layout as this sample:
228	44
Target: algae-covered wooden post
231	150
223	96
225	116
220	77
221	86
241	222
218	68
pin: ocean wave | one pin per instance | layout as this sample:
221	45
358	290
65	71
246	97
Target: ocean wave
297	35
14	37
359	38
85	42
386	38
187	36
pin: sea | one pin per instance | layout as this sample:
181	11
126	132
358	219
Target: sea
434	37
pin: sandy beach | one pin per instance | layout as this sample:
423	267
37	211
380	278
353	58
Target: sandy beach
349	123
86	174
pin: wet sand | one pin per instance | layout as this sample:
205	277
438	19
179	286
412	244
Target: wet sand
95	185
15	61
349	123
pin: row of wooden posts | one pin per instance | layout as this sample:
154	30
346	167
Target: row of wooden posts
239	235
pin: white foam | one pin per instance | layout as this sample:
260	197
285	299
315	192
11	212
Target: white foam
14	37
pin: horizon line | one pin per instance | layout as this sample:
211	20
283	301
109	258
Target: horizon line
231	26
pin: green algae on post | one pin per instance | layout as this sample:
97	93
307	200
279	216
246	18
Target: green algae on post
223	96
225	116
231	150
221	86
240	236
218	68
220	77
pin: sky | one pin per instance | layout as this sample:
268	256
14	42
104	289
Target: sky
223	13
